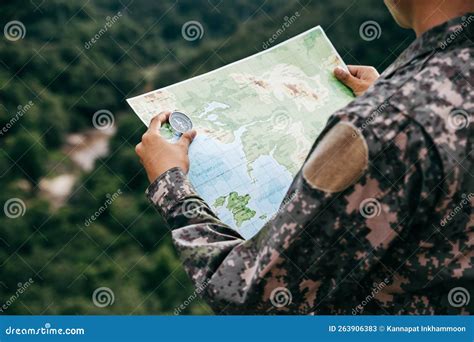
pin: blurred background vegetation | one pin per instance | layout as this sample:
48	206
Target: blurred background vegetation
64	169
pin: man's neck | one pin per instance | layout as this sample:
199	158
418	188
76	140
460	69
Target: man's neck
427	17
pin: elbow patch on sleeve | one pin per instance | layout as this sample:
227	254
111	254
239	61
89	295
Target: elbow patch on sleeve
338	161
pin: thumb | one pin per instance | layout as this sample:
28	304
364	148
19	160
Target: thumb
187	138
346	78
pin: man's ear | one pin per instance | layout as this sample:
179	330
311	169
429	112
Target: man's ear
338	161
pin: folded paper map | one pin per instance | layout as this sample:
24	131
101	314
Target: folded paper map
256	121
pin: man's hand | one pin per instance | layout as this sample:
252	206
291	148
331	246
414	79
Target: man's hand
158	155
359	79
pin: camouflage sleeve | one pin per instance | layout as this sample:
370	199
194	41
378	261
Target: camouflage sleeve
338	219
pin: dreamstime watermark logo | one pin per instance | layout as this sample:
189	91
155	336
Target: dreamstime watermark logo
109	22
370	207
458	297
281	297
21	288
370	30
288	21
199	289
14	207
192	30
281	120
103	119
465	202
21	110
47	329
191	209
376	288
110	199
458	119
103	296
371	118
14	30
457	32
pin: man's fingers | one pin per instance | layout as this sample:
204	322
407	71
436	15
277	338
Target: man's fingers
158	120
354	69
342	74
364	72
138	148
187	138
346	78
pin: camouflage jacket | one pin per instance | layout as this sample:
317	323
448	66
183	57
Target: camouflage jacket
377	221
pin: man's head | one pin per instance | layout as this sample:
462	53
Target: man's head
421	15
401	11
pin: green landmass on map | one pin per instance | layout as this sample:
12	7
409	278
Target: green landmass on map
220	201
237	205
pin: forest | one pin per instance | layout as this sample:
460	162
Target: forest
75	219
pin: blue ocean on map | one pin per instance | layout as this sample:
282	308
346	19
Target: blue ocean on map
229	172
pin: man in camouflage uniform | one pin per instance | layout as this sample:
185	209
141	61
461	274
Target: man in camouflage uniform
379	218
